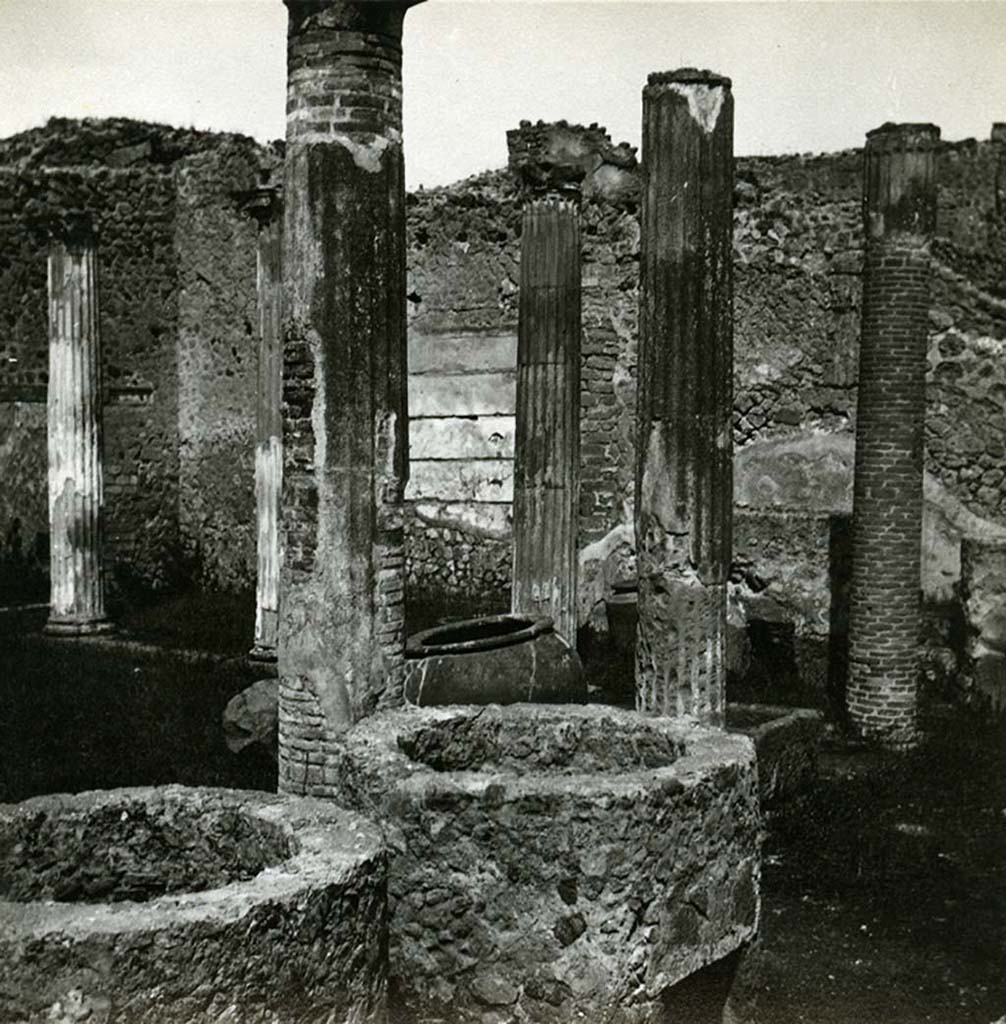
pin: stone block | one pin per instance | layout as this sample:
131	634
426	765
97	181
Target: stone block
462	437
463	394
462	352
460	480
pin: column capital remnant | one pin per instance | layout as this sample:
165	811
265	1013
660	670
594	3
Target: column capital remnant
898	177
546	158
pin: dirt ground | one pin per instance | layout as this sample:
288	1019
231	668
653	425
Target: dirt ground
884	887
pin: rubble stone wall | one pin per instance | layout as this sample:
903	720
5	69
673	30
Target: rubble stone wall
797	294
133	213
176	300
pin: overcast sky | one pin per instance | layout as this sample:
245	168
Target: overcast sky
807	76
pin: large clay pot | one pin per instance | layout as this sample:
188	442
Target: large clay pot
622	609
494	659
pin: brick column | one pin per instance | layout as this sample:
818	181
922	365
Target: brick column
342	628
547	430
265	207
77	586
684	484
899	210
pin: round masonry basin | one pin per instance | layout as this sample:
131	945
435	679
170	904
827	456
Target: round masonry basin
494	659
556	862
174	904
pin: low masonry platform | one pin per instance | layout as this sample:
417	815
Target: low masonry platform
555	863
786	740
173	904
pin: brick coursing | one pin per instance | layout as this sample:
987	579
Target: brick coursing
887	519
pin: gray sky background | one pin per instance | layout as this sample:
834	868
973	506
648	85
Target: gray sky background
807	76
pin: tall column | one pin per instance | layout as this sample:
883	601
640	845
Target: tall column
899	213
684	483
77	586
998	138
547	430
342	622
265	206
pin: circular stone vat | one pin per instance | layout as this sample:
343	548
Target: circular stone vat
172	904
556	863
494	659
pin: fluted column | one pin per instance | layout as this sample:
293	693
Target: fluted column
265	206
684	484
899	211
77	589
342	628
998	138
547	429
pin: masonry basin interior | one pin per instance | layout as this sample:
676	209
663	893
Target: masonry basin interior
541	744
132	851
490	627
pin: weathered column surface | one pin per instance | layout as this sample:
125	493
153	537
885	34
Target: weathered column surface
684	484
899	211
77	587
998	137
265	206
547	429
341	635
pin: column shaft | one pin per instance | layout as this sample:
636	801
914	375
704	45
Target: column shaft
342	629
547	453
268	436
900	216
684	485
77	596
998	138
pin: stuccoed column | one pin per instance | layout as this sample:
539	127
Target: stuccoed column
77	586
266	207
342	628
899	212
684	483
547	429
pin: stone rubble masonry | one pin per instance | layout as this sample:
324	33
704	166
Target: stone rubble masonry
547	430
899	210
684	483
983	597
77	585
179	905
342	622
217	360
265	205
555	863
177	282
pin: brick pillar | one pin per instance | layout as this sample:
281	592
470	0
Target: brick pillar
547	439
265	206
77	586
684	484
342	628
998	137
899	210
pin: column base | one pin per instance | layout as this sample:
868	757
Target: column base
262	655
75	627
